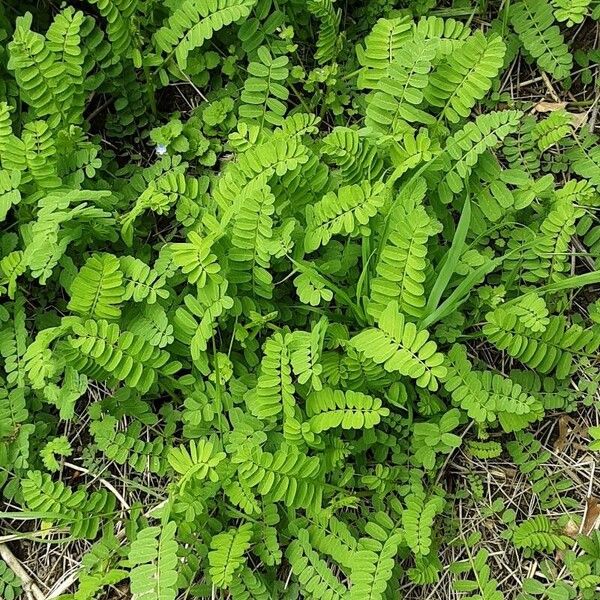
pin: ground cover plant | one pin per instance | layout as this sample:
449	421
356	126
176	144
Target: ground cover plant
299	299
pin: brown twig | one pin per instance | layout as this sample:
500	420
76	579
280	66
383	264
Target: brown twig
32	591
549	87
109	486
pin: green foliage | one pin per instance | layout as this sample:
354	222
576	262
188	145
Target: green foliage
153	558
534	23
549	487
307	566
275	389
268	269
226	554
550	349
117	13
489	397
373	564
402	264
346	211
329	41
101	349
193	23
465	76
466	146
552	130
485	450
335	539
586	160
97	289
399	94
539	534
483	586
10	586
252	233
49	71
97	567
285	476
431	438
58	446
571	13
199	462
56	501
380	48
263	98
329	408
399	346
417	520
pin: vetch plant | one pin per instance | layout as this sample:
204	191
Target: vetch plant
268	268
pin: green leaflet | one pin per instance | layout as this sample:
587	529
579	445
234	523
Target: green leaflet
533	21
307	566
346	211
227	554
352	410
465	76
97	290
252	233
465	147
372	567
381	46
402	265
538	534
200	461
153	556
286	476
487	396
399	93
546	350
275	389
400	346
417	520
10	586
330	40
79	510
193	23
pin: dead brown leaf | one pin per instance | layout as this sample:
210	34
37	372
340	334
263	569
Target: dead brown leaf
571	528
545	107
563	432
578	119
591	515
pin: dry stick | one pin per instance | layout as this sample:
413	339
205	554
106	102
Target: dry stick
549	87
592	464
29	586
109	486
30	535
528	82
585	255
60	588
596	105
507	76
